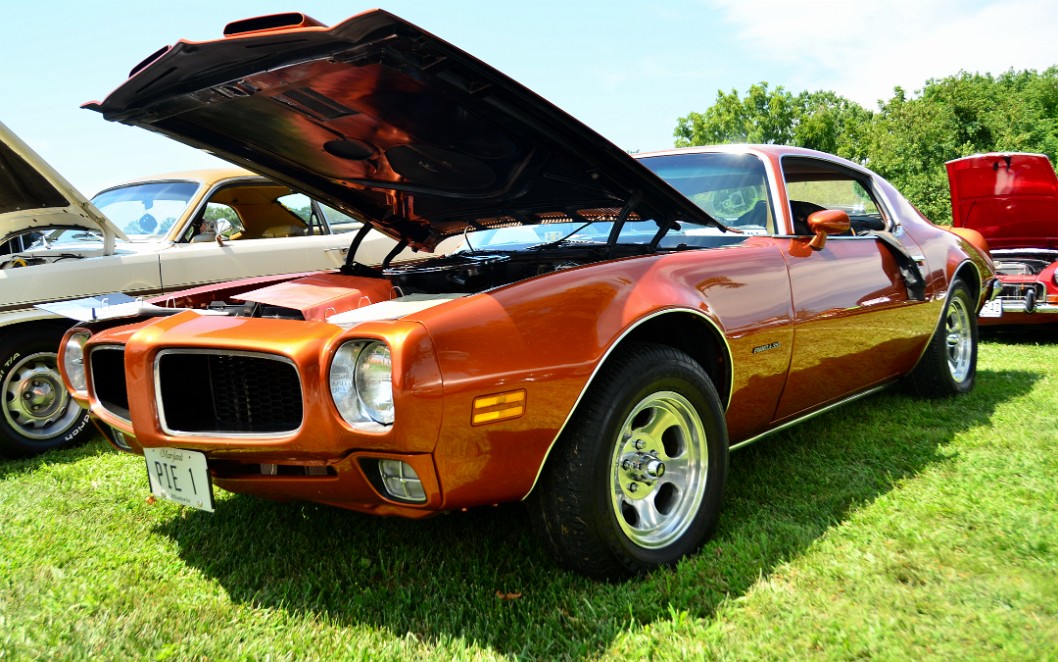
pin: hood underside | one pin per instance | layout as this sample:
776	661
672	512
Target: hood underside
34	196
1010	198
390	123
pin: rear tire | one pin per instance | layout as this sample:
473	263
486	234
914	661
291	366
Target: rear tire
38	413
637	478
949	366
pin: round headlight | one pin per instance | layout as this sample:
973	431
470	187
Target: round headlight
374	382
73	361
361	381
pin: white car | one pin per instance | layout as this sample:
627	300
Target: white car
143	238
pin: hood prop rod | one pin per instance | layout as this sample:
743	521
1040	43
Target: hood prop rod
353	268
618	225
401	245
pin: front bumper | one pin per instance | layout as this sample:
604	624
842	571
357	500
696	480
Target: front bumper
1019	299
352	482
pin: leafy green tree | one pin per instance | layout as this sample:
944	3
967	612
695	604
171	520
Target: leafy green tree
820	120
764	116
908	138
831	123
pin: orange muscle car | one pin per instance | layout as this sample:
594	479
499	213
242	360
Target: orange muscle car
600	331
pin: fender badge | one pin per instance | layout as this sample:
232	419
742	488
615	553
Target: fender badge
764	348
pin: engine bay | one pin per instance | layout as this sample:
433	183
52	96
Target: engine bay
1023	261
331	295
477	271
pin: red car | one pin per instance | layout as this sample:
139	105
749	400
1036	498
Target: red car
606	331
1012	200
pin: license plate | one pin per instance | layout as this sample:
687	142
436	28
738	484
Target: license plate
180	476
993	308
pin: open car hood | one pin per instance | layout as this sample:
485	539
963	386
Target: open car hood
34	196
387	122
1010	198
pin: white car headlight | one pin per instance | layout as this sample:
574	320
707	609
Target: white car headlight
73	361
361	381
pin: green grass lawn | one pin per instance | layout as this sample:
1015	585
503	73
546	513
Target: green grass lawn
892	528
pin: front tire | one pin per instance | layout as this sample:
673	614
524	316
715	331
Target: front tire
38	413
949	365
637	477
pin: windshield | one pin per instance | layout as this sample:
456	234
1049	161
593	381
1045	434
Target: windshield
64	237
146	211
632	232
731	188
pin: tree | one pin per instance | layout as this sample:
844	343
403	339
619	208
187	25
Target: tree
762	117
908	139
820	120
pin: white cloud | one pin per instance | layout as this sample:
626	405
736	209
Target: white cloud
863	49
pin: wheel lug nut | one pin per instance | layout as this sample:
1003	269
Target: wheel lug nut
633	487
639	444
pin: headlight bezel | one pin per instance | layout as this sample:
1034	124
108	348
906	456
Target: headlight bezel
363	399
74	368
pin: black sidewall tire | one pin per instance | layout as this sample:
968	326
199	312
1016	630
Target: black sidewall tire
657	379
571	508
932	376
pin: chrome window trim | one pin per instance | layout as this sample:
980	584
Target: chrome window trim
866	179
223	435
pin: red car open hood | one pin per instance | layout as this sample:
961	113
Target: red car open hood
386	121
1011	199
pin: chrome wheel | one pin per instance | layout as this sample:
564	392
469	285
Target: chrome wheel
958	338
637	478
658	470
36	404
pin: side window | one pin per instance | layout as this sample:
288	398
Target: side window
301	206
204	228
813	185
338	221
216	211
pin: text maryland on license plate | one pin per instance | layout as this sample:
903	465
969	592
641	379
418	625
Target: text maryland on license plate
180	476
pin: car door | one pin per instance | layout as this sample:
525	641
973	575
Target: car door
853	307
282	248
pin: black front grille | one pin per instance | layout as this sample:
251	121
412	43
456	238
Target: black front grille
226	393
108	379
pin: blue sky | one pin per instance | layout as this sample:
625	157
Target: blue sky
628	69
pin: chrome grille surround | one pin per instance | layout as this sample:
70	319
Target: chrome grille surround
227	393
107	378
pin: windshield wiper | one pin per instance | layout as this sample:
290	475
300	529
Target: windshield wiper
561	240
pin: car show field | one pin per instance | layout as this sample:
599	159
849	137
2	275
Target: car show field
891	528
436	371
